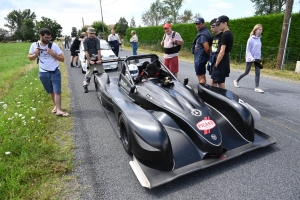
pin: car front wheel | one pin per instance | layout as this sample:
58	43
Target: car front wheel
125	135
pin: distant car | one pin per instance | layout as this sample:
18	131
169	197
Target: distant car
106	53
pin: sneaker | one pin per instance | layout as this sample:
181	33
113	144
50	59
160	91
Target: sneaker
236	83
258	90
77	66
85	88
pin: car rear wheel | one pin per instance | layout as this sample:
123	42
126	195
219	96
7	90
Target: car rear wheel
125	135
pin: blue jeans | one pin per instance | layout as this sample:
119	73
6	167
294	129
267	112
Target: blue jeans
134	49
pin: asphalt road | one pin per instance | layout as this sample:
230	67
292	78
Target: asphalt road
270	173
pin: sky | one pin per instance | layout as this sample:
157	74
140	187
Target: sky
70	13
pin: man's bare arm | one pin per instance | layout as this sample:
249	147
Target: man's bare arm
220	55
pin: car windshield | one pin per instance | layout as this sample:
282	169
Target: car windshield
104	46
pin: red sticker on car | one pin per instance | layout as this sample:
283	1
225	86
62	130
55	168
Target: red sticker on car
206	125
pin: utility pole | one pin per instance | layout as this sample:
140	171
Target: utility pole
283	39
82	23
102	18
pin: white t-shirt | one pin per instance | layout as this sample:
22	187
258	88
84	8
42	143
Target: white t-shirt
168	44
47	61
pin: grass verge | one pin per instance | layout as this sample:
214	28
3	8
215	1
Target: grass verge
35	145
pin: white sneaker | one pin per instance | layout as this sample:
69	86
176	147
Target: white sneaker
236	83
258	90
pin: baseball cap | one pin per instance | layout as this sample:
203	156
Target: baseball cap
199	20
222	18
167	25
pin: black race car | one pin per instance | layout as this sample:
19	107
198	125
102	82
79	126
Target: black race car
170	129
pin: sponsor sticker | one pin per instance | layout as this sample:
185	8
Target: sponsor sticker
196	112
206	125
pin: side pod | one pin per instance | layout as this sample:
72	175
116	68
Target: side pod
231	106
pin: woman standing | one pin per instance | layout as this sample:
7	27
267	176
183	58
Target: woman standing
253	51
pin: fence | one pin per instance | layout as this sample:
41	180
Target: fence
237	54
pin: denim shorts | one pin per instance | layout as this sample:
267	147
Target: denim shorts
51	81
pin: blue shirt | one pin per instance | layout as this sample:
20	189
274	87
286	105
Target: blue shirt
199	54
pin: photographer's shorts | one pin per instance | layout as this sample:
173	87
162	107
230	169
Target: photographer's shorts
90	71
51	81
217	75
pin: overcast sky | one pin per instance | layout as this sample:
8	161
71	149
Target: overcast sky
70	13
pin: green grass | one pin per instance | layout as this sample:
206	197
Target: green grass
35	145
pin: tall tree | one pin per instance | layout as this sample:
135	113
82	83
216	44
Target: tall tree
97	25
266	7
186	17
148	18
195	16
15	21
74	32
173	7
132	23
121	26
156	14
53	26
27	30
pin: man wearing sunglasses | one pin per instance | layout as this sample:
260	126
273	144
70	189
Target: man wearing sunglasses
48	55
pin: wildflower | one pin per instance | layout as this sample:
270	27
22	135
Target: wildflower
16	114
34	109
30	83
20	115
7	153
32	117
20	95
18	102
9	118
4	106
23	117
1	102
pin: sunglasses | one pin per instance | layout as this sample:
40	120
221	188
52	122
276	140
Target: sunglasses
49	38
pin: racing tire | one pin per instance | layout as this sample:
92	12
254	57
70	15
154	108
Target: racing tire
125	135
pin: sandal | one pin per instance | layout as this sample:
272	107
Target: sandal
63	114
54	110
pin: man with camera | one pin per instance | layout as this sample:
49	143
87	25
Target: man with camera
48	54
91	45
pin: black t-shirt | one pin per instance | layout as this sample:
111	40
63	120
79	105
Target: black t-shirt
226	39
76	43
215	43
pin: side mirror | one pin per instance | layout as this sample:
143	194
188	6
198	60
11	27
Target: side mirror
185	81
133	89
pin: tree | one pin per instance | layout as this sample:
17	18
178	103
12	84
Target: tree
3	34
121	26
267	7
53	26
156	14
132	23
173	7
186	17
148	18
97	25
27	30
15	20
74	32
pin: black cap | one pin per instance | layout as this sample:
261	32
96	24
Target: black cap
222	18
199	20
